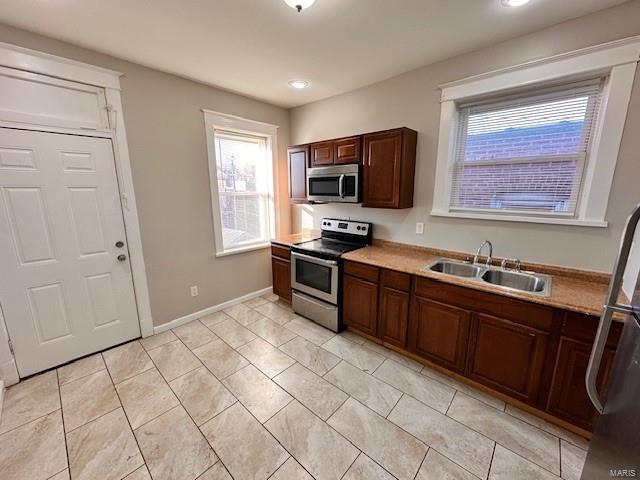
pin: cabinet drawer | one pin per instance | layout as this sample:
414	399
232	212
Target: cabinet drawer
397	280
519	311
360	270
583	327
280	251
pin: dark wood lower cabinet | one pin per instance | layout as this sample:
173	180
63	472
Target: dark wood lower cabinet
393	316
281	271
507	356
568	398
281	277
532	353
360	304
439	333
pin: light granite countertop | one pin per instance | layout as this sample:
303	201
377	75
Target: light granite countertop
295	238
576	290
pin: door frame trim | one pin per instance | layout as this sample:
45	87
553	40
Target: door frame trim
19	58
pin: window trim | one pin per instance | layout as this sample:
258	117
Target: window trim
231	123
616	60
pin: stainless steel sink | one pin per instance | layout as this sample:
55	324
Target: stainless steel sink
456	268
517	281
499	277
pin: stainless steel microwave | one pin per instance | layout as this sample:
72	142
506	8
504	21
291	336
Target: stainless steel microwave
339	183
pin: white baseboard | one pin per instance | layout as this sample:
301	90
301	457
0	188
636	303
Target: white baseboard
207	311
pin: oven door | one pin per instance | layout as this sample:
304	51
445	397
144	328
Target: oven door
315	276
333	184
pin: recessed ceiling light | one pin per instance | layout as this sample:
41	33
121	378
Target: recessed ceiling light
299	4
514	3
298	84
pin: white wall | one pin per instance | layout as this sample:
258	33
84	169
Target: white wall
412	100
168	150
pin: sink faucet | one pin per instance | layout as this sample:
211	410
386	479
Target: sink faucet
489	258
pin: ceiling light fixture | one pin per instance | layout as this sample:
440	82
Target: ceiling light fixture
299	4
514	3
298	84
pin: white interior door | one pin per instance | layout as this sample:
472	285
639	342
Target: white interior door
63	291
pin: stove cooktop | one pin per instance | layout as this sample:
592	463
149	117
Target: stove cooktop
326	248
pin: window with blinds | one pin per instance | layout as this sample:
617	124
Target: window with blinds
524	154
244	188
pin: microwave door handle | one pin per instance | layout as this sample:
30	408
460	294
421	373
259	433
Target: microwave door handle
610	308
341	186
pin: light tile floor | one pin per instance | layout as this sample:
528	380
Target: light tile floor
255	393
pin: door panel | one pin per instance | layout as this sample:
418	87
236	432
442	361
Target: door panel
322	154
63	292
281	271
297	163
360	304
394	313
507	356
382	156
440	332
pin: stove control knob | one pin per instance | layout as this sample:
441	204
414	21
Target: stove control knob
358	227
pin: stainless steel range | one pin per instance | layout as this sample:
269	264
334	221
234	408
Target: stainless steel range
316	270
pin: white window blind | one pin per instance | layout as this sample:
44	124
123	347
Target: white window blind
244	188
524	154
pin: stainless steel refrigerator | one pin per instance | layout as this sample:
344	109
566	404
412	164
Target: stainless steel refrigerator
614	451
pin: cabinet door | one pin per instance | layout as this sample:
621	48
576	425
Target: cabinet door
360	304
439	333
281	270
322	154
568	397
347	150
394	312
507	356
298	158
381	170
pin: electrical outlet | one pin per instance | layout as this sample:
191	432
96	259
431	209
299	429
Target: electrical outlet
194	291
420	228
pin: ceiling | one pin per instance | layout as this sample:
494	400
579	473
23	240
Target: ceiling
255	47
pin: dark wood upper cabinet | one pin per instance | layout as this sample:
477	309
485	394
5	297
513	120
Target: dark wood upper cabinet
389	160
507	356
347	150
360	304
322	154
298	159
439	332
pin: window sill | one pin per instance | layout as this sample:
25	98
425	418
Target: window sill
523	219
249	248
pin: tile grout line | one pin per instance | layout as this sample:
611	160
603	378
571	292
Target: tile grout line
126	417
402	393
64	429
207	421
349	396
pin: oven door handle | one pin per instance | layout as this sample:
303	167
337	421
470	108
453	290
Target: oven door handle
341	186
314	259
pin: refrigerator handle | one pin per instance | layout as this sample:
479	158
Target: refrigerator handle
611	306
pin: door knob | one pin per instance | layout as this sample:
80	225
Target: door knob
119	244
122	257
